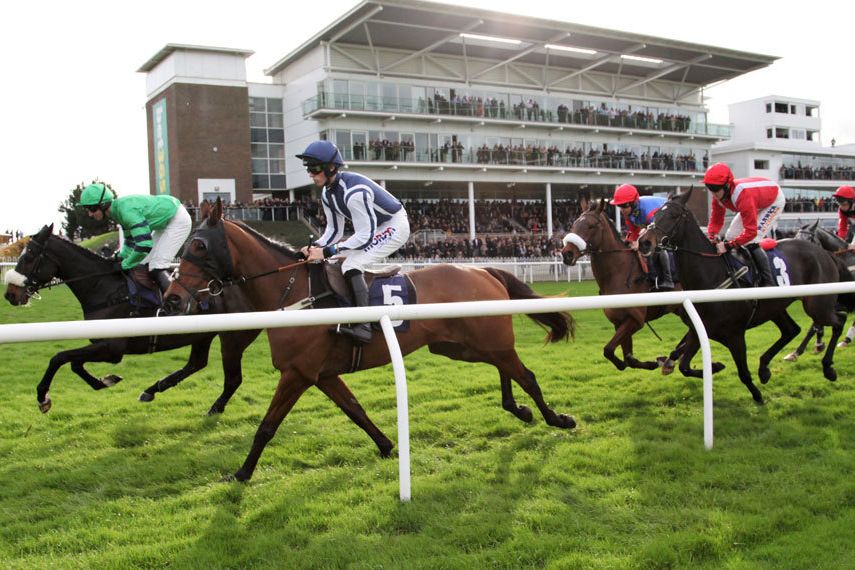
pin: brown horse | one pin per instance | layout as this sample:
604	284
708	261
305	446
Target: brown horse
617	270
223	251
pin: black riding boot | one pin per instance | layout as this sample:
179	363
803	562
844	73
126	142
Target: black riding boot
360	332
761	261
161	277
666	283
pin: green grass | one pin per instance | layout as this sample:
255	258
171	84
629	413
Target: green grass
104	481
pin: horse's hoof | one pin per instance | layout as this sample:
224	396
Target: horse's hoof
765	374
566	422
758	399
146	397
668	367
111	380
830	374
717	367
215	411
843	343
45	405
524	413
792	357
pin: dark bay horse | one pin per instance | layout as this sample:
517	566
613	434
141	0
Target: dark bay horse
223	251
700	267
836	246
618	270
103	294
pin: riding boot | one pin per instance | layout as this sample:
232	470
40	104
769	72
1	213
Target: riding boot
666	281
161	277
359	332
761	262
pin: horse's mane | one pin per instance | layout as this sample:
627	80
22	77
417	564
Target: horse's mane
91	255
611	226
832	237
285	248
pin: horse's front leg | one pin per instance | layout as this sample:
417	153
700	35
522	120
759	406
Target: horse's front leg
101	351
291	386
623	338
789	330
233	345
735	343
828	358
337	391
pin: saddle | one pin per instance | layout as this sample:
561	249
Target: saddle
143	291
334	279
742	266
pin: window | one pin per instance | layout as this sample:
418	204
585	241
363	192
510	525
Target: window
781	108
813	136
792	109
769	134
811	110
782	133
761	165
797	134
267	135
768	107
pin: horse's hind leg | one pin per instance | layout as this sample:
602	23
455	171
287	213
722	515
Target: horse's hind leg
291	386
789	330
510	366
623	337
828	358
197	361
337	391
794	355
233	346
102	351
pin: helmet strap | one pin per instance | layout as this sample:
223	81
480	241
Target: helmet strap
331	172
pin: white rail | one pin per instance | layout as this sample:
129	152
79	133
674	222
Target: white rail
65	330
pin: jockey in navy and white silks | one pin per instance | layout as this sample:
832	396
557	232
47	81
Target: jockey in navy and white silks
379	221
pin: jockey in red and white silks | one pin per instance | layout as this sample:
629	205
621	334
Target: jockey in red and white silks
757	201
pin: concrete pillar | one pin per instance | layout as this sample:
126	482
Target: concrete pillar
549	210
471	210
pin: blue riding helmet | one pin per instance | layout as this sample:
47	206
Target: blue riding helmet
321	152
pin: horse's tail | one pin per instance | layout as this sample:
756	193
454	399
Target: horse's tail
561	325
846	300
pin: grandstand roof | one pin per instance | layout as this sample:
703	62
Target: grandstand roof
428	27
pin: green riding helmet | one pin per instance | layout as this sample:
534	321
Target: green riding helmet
96	195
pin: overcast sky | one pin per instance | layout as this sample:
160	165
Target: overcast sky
74	106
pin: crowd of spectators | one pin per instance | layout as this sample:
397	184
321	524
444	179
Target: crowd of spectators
533	155
530	110
518	246
820	204
799	172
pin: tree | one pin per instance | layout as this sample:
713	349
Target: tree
77	224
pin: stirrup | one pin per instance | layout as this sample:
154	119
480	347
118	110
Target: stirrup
360	333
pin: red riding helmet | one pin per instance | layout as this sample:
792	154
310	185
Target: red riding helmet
845	192
624	194
718	175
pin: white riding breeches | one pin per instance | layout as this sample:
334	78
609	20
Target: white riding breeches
168	241
389	238
765	220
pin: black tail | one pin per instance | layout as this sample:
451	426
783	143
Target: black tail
561	325
846	300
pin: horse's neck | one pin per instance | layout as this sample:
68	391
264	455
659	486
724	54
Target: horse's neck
689	263
830	241
611	270
81	271
265	293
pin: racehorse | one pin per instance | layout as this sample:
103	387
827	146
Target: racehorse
103	294
836	246
700	267
274	275
617	270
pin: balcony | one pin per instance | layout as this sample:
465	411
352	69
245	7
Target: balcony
329	105
403	156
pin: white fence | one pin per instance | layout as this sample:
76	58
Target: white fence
29	332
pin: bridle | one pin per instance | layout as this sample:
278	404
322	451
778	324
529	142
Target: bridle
33	285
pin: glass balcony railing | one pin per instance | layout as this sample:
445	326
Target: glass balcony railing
589	116
522	158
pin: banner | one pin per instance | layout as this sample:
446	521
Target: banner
161	148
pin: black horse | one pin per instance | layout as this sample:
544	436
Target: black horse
103	294
836	246
726	322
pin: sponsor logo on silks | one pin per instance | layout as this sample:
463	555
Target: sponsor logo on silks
381	238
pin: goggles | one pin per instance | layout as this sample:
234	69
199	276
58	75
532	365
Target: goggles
314	168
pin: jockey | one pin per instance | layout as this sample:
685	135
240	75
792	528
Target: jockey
637	212
154	227
757	202
845	196
380	225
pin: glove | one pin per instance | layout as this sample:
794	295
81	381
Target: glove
728	245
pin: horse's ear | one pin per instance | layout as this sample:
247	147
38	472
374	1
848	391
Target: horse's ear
600	205
684	197
216	213
583	204
50	228
814	226
204	209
